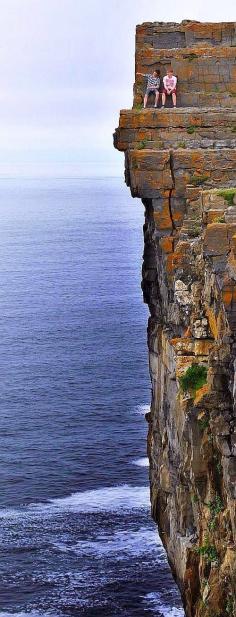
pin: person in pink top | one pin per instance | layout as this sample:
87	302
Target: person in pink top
169	87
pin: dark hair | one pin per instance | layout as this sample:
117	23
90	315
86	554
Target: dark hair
157	71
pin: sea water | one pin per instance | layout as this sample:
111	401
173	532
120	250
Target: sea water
77	538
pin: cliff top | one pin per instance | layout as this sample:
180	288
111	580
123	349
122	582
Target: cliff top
202	56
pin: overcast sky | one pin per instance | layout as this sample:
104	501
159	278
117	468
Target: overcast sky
66	68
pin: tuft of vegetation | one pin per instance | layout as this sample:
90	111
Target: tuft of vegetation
233	129
216	506
191	129
210	438
204	582
197	180
203	423
138	106
194	232
195	498
220	219
230	606
228	195
191	57
194	378
208	551
212	525
142	144
181	144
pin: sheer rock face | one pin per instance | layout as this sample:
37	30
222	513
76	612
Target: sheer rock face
182	163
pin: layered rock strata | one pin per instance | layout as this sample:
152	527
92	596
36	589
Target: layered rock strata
202	56
182	163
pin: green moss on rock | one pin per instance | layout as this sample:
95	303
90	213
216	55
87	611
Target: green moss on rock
208	551
194	378
191	129
228	195
197	180
142	144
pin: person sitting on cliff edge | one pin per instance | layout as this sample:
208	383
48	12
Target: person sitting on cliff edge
153	85
169	87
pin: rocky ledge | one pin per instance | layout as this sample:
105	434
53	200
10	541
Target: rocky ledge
181	163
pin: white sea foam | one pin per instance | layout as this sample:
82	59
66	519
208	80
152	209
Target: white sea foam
109	499
119	544
141	462
123	497
28	614
142	409
155	604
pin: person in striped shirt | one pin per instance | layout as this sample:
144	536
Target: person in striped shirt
169	87
153	85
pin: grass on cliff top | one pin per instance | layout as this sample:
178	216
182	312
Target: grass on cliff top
228	195
194	378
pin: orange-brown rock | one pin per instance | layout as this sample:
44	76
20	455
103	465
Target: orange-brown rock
181	163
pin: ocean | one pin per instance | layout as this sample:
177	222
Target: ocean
77	538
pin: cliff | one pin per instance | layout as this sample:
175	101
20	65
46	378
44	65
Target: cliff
181	163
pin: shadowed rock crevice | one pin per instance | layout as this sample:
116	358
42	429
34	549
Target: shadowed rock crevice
171	191
182	163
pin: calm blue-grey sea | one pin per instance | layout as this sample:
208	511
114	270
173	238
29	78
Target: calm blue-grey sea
76	534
